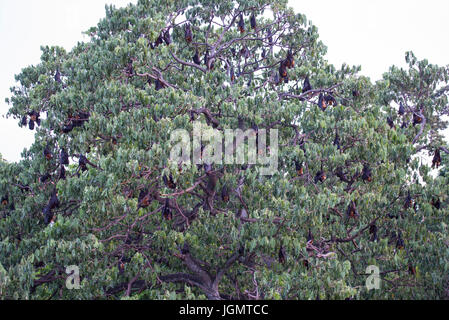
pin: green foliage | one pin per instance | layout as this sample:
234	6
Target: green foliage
106	107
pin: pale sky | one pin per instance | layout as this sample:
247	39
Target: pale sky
373	34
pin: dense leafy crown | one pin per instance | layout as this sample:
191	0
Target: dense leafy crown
97	189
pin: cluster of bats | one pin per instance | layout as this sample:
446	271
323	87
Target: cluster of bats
146	196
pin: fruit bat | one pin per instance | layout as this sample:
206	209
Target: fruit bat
54	201
167	38
225	194
436	203
253	21
401	111
404	124
290	61
270	37
64	157
24	121
282	70
166	212
399	242
5	200
206	61
412	270
158	85
320	176
241	24
44	178
416	119
355	93
232	74
390	122
48	214
129	68
310	236
82	162
121	267
159	41
408	201
299	168
436	161
196	58
330	100
34	115
322	102
306	86
186	248
305	263
373	232
31	125
188	33
144	199
47	153
282	255
67	128
169	182
58	76
212	182
337	141
352	210
62	173
366	173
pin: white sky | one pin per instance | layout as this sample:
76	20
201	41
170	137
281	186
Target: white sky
373	34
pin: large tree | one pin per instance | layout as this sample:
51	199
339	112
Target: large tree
352	187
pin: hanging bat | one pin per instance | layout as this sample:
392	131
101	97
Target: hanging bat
188	33
47	153
166	212
48	215
352	211
225	194
196	58
144	199
390	122
169	182
299	168
62	173
408	201
337	141
64	157
366	173
417	119
401	110
306	86
399	242
320	176
167	38
436	161
322	102
282	255
253	21
241	24
58	76
54	201
82	162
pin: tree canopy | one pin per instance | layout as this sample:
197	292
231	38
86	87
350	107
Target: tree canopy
97	189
